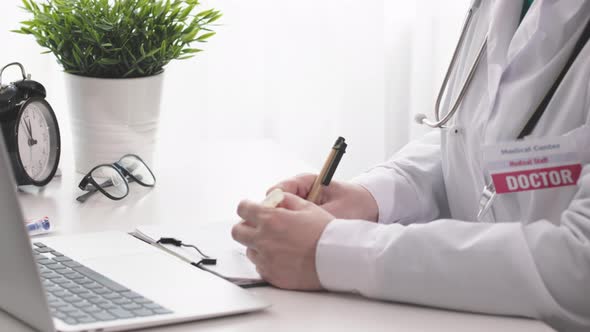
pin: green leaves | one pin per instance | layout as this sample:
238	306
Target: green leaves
118	38
205	36
105	61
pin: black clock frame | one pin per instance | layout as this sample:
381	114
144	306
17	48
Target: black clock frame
10	129
15	98
9	121
54	137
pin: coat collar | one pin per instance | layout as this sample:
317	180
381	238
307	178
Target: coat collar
544	31
536	48
504	21
530	44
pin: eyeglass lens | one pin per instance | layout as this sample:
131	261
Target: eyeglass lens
110	180
138	169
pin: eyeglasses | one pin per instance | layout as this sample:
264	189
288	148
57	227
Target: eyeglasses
112	179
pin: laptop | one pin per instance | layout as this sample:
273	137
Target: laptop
107	281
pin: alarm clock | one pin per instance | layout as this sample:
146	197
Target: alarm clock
30	130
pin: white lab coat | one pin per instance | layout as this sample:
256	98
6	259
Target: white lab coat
531	256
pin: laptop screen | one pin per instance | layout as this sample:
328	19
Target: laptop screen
21	292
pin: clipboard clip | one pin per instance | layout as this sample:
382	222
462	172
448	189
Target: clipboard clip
206	260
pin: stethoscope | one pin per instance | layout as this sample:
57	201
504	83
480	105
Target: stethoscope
440	123
489	195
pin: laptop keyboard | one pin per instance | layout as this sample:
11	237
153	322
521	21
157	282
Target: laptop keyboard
79	295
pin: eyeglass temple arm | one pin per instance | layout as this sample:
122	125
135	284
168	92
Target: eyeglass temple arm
82	198
86	180
126	170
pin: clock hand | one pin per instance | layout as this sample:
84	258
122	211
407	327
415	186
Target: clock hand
32	141
28	130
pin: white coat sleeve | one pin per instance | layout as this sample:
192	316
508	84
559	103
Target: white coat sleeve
539	270
409	187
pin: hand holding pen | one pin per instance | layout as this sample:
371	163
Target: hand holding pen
282	241
344	200
314	188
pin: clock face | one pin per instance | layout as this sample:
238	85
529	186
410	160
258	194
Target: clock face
37	145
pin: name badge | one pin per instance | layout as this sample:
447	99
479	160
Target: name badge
533	164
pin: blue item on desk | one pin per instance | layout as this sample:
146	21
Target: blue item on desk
39	226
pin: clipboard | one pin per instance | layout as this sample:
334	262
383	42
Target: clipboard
215	240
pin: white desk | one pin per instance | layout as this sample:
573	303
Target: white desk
206	185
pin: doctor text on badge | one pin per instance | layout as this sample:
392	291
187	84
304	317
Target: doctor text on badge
533	164
535	179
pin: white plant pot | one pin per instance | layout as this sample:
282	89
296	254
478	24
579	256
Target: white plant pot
113	117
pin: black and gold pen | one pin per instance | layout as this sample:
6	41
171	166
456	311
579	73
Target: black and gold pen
323	179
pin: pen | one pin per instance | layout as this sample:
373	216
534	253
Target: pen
330	165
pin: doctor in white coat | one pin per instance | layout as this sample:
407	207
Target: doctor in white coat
407	230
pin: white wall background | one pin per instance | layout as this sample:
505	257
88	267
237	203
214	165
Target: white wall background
299	72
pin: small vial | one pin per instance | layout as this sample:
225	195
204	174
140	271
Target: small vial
39	226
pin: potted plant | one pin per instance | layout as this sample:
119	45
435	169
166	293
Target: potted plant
114	53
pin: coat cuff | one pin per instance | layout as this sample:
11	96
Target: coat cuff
344	256
392	192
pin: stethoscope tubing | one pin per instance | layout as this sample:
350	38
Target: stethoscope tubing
440	123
